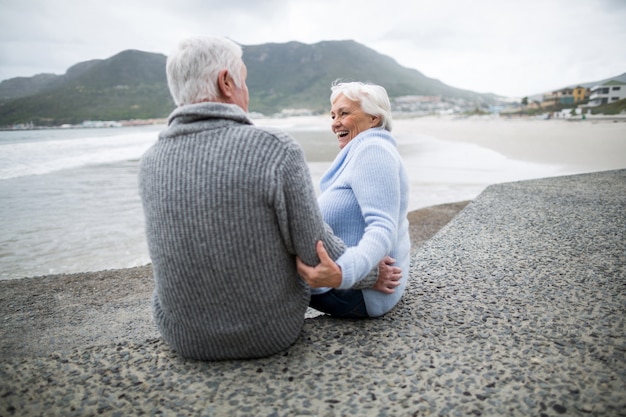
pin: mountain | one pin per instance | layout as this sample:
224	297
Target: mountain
129	85
296	75
132	84
621	78
23	87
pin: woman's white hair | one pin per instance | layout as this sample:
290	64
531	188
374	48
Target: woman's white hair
373	99
193	67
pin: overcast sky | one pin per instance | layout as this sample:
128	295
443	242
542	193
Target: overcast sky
508	47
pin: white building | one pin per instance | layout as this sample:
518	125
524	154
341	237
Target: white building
609	92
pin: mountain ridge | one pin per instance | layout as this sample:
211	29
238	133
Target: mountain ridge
132	84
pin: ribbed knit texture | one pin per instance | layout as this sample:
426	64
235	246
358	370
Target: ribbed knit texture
227	207
364	199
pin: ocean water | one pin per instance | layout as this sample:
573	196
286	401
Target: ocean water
69	200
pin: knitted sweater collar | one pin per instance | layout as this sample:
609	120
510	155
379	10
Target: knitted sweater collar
207	112
348	152
374	132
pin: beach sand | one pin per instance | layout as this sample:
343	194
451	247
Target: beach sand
594	144
452	158
582	145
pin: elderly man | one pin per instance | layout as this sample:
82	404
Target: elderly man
228	207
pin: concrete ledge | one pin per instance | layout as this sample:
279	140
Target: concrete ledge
516	307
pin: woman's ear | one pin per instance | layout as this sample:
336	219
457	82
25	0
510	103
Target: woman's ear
376	121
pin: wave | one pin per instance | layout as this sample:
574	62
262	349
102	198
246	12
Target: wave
45	156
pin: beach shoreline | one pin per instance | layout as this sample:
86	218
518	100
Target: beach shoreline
69	214
594	144
586	146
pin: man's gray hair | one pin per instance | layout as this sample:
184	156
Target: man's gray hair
193	68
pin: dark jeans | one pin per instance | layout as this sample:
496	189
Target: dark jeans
346	304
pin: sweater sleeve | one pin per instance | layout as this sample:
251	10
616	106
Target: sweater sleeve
298	213
375	181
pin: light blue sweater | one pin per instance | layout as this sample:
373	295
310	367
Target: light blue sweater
364	199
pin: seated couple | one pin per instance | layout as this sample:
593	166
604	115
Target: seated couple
239	243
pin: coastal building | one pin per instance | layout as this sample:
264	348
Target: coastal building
558	97
101	123
581	94
417	105
606	93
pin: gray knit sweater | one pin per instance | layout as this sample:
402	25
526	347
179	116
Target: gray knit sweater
227	207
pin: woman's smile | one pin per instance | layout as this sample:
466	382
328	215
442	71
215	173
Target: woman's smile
349	120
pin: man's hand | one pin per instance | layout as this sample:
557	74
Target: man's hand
326	274
388	276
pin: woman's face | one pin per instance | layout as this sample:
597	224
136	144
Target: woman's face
349	120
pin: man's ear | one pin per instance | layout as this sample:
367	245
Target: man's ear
225	83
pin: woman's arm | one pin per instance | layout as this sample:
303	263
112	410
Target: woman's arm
375	182
328	274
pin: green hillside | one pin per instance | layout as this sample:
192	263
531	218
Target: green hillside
129	85
132	84
296	75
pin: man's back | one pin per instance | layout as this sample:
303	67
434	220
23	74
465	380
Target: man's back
227	207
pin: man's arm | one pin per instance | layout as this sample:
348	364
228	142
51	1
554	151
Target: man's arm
297	211
302	224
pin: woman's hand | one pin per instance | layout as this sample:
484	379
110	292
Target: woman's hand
326	274
388	276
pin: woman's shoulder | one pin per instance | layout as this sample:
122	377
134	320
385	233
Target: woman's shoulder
374	140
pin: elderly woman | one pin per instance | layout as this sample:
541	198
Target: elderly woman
364	199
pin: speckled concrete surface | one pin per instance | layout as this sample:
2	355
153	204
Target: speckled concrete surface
516	307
